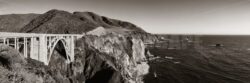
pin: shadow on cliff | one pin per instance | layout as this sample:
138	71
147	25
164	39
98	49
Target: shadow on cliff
102	76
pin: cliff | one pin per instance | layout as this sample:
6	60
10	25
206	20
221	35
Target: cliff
123	56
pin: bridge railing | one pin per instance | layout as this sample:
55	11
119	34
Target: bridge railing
11	34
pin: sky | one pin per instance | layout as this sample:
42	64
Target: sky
154	16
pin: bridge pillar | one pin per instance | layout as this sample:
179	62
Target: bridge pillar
25	47
4	40
43	49
31	47
72	49
34	48
15	43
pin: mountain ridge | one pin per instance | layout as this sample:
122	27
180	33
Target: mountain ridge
14	22
62	22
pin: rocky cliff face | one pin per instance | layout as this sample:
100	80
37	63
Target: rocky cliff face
124	55
108	58
147	38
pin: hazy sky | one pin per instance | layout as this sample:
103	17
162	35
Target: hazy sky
155	16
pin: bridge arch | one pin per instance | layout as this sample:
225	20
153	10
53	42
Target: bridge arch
40	46
53	48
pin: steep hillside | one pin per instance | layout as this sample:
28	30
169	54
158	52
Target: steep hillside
57	21
107	22
14	22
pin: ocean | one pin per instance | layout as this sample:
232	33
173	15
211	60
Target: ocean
214	59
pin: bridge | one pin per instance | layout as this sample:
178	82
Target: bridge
40	46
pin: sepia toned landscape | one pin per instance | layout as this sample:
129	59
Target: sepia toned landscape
117	41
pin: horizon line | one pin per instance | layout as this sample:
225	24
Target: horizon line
200	34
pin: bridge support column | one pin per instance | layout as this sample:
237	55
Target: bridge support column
43	53
72	48
32	40
15	43
4	40
25	47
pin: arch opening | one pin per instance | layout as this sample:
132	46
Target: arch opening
59	53
60	48
58	59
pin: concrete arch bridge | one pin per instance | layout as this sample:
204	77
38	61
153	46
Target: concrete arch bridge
40	46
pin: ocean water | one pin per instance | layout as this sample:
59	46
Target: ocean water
216	59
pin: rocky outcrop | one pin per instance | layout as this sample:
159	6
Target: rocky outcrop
147	38
123	55
98	31
13	67
9	58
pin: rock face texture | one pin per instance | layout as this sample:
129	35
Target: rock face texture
147	38
124	56
98	31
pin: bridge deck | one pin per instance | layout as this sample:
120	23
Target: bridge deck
11	34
